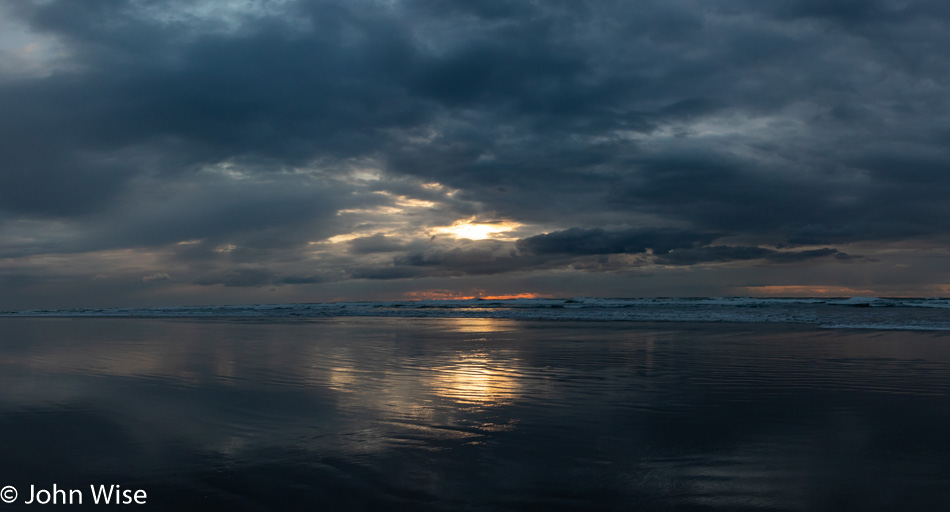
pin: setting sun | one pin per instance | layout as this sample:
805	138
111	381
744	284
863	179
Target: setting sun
478	230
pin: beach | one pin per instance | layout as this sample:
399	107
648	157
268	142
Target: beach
388	413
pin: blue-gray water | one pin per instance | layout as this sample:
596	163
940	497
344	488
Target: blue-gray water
838	313
376	413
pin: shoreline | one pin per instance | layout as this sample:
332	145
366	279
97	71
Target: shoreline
624	324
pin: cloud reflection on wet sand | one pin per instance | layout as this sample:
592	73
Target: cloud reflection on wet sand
496	413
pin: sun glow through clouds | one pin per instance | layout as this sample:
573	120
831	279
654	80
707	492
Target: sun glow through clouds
469	295
477	230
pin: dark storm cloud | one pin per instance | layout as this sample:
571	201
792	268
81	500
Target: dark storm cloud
670	247
580	241
249	276
468	260
375	243
787	69
585	250
178	100
818	234
654	128
384	273
311	279
723	253
471	259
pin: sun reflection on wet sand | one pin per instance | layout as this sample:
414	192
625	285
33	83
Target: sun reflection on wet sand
340	378
477	379
478	325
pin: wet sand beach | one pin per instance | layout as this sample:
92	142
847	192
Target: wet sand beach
476	414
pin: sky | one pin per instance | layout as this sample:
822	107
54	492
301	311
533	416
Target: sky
164	152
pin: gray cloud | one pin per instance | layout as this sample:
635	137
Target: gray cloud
723	253
374	244
243	276
230	144
669	247
579	241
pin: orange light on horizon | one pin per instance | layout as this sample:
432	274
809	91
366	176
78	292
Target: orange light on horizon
516	296
468	295
804	291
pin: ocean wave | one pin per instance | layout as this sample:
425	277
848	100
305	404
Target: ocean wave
867	312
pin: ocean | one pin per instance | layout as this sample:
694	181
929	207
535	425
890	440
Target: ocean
839	313
534	404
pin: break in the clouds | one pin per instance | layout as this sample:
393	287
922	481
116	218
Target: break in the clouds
158	152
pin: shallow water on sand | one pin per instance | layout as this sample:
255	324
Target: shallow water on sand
476	414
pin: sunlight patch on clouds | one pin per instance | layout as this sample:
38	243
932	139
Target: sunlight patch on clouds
346	237
366	175
473	230
393	219
229	170
379	210
406	201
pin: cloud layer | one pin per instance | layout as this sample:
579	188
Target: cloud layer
166	152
